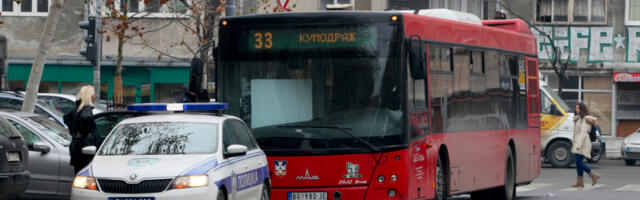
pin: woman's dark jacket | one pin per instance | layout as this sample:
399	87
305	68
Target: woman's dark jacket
82	128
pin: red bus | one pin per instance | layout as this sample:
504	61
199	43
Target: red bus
385	105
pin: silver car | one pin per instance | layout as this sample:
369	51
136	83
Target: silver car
631	148
48	143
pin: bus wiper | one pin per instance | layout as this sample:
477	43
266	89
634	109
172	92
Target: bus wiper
343	129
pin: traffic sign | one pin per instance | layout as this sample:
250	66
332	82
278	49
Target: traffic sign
283	4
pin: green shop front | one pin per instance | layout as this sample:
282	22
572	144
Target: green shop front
140	84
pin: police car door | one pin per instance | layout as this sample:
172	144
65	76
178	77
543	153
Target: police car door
237	166
250	182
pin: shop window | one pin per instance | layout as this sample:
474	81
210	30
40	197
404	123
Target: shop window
168	92
596	82
129	94
72	87
104	90
145	93
571	11
571	98
48	87
17	85
599	105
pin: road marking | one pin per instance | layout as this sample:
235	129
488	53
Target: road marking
586	188
531	187
629	188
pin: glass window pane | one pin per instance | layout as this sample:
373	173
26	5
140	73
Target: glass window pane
48	87
580	10
131	5
475	7
7	5
599	105
129	94
544	10
168	92
455	5
29	137
6	130
560	10
43	6
570	82
634	9
598	10
153	6
72	87
17	85
596	83
25	6
104	90
571	98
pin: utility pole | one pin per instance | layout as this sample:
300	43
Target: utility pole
96	68
231	8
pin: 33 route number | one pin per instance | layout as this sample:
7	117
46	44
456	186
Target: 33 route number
263	40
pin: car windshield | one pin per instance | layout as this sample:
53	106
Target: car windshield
52	129
161	138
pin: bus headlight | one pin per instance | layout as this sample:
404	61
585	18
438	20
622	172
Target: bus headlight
190	182
85	182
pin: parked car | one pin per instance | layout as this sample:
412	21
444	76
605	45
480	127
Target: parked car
631	148
48	144
13	101
66	102
13	162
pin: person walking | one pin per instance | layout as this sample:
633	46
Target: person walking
581	147
82	128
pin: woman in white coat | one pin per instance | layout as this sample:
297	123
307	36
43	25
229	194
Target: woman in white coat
582	144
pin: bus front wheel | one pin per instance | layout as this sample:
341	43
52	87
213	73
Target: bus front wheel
441	180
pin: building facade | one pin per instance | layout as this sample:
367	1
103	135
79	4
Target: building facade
601	40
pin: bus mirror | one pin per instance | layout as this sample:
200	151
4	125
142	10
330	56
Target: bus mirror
417	60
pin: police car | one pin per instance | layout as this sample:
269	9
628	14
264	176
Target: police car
175	156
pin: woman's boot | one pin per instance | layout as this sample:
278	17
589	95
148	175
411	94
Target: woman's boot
579	183
594	177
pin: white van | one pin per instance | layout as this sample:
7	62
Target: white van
556	129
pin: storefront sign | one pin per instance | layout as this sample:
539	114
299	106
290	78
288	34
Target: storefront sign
626	77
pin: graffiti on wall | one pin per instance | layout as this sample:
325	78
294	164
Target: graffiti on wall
599	41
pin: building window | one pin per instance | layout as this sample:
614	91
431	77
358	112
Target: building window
632	12
338	4
25	8
152	8
470	6
571	11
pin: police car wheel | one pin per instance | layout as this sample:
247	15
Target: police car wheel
221	195
265	193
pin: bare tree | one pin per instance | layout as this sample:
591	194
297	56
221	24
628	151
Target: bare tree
557	63
46	39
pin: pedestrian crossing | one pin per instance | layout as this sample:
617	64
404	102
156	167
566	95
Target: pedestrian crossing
549	187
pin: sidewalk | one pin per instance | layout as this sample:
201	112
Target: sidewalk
613	147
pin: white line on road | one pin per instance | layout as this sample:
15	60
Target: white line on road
586	188
629	188
531	187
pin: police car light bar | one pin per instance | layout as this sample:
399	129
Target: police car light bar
178	107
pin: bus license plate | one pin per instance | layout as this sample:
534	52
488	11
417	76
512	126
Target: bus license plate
13	157
307	196
132	198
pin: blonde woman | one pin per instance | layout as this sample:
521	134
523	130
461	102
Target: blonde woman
82	128
581	147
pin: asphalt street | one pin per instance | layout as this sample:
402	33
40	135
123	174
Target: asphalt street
617	181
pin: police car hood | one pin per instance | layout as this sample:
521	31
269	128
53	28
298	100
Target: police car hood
150	166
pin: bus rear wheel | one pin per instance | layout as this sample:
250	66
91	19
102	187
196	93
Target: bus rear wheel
441	181
508	191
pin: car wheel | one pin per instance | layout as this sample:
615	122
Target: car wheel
559	154
265	192
595	157
630	162
221	195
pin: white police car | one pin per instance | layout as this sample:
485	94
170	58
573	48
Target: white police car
175	156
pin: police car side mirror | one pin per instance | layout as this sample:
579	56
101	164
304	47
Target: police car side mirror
89	150
41	147
236	150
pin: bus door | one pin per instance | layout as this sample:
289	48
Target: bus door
419	174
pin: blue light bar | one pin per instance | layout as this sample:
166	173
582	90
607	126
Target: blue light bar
178	107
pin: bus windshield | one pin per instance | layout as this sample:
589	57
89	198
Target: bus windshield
294	95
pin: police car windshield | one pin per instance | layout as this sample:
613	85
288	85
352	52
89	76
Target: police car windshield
162	138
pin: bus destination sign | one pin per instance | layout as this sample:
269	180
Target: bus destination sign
336	38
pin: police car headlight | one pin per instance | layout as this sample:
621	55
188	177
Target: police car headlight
85	182
190	181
